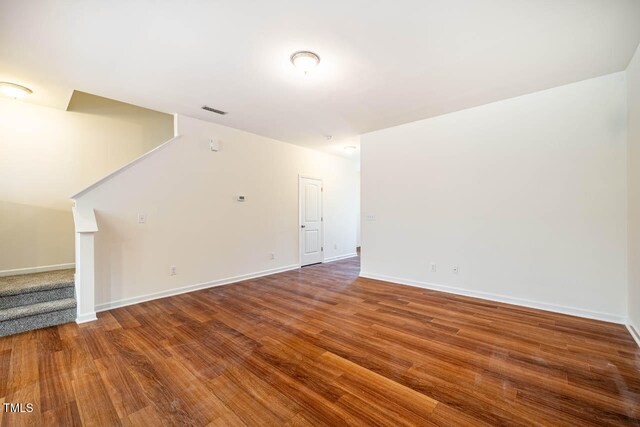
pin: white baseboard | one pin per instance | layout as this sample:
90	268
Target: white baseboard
573	311
88	317
190	288
339	257
41	269
634	333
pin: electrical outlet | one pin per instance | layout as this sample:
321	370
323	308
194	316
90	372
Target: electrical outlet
335	246
172	270
433	267
455	269
273	255
142	218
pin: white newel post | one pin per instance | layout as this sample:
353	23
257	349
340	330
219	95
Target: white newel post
86	227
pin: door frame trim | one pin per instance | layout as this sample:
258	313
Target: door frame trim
300	177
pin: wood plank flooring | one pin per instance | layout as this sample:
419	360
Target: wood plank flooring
320	346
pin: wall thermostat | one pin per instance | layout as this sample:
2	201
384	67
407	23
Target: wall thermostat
241	198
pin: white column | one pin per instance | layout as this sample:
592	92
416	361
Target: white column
85	277
86	228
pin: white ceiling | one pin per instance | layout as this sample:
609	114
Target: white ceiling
383	62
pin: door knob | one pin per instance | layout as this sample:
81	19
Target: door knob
302	226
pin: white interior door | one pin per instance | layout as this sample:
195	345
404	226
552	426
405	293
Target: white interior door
311	250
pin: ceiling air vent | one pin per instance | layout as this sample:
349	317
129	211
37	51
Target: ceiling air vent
213	110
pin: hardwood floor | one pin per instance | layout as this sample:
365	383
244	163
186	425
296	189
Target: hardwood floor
320	346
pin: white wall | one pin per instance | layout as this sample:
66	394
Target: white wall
32	237
526	195
358	221
46	155
194	222
633	134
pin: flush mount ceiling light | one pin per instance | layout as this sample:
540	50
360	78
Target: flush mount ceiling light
350	148
305	60
13	90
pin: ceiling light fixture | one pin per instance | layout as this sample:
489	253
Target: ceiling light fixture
350	148
305	60
13	90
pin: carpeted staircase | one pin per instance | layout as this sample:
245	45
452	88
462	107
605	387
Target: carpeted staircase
34	301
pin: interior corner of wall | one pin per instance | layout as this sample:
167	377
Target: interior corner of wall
175	125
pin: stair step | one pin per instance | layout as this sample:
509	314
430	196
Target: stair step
37	282
19	319
33	309
30	298
27	289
